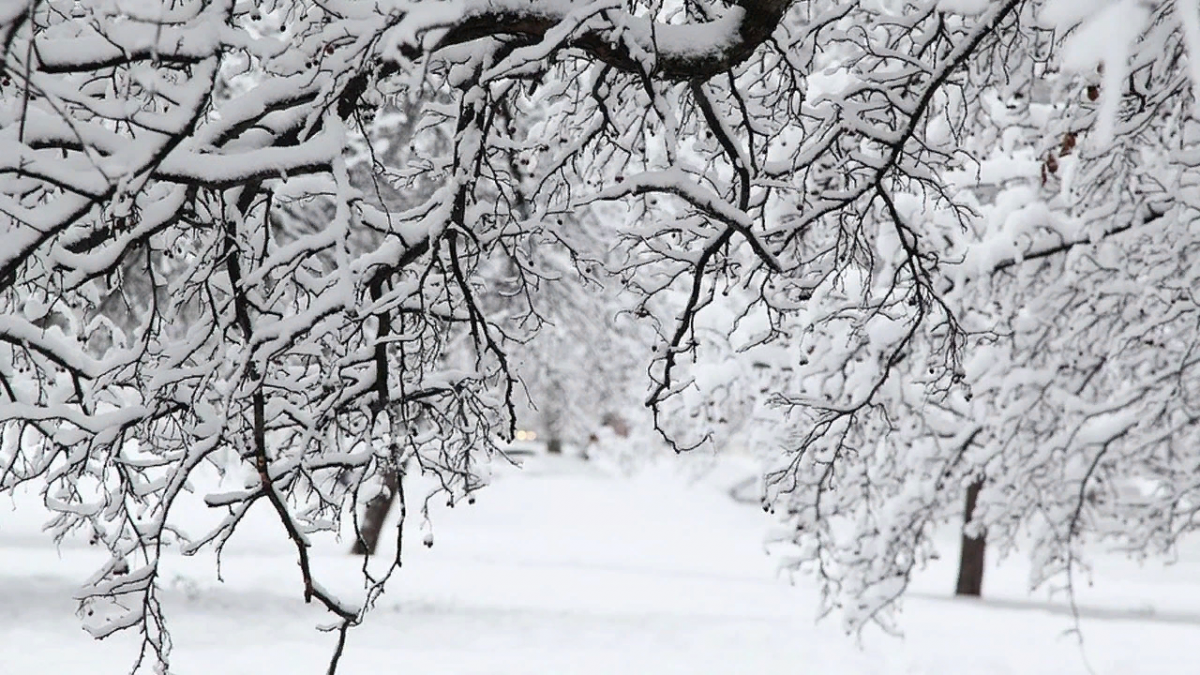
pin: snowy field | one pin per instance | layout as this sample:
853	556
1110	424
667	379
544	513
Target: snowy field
566	567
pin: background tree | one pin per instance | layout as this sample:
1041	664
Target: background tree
1057	282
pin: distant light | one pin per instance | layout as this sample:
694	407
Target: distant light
521	435
531	435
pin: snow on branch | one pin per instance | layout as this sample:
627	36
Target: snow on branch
630	43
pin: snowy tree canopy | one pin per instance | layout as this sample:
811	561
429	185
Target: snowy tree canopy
897	246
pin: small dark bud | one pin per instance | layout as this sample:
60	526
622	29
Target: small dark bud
1068	144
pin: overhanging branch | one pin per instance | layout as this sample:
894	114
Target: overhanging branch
679	52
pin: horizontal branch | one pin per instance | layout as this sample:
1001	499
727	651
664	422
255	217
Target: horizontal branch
632	44
1063	247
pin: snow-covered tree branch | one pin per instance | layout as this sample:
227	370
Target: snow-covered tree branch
902	248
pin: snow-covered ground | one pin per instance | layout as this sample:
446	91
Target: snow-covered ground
567	568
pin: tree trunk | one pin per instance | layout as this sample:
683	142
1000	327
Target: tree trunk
554	445
971	557
377	510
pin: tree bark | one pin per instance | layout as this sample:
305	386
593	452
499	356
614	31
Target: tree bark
971	556
377	510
